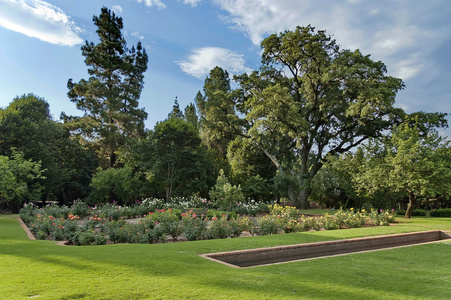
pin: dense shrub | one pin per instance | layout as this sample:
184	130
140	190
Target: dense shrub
106	222
251	208
79	208
415	213
420	213
168	221
269	225
382	217
193	226
213	213
443	213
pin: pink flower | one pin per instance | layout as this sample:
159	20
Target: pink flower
194	215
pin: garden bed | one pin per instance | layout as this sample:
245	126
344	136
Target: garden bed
273	255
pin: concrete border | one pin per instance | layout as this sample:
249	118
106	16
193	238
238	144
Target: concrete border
308	251
27	231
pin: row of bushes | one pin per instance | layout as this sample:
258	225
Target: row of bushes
155	227
441	213
113	211
160	225
286	219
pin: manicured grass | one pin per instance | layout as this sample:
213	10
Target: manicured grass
175	271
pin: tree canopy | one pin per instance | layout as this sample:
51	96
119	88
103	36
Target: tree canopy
109	98
311	99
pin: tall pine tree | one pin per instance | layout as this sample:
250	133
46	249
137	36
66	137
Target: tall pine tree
109	98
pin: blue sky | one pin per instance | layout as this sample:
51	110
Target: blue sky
41	40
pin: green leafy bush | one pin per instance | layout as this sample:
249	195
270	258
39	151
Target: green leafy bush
79	208
420	213
213	213
442	213
269	225
382	217
168	221
219	228
89	237
193	226
225	195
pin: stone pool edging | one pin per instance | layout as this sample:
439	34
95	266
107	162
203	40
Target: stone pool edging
269	255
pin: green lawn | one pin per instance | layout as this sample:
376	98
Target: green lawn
43	270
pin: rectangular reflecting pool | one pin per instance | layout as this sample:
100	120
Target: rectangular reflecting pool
282	254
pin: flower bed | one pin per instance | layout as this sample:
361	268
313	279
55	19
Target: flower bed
84	225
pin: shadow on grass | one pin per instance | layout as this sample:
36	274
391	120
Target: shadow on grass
178	265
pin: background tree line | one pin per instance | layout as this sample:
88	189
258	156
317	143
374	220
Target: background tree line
315	122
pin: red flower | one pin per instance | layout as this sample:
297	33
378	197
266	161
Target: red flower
194	215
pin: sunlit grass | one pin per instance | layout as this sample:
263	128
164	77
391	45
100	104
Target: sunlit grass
175	270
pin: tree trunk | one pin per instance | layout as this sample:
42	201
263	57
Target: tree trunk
302	201
410	206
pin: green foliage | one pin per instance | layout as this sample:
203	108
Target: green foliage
382	217
250	208
178	272
193	226
286	113
20	180
218	120
110	185
174	159
109	98
89	237
79	208
252	168
116	232
269	225
417	163
168	221
224	194
221	228
350	218
213	213
442	213
420	213
27	126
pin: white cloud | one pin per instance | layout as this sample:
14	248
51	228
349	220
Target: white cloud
191	2
391	31
202	60
117	8
41	20
138	35
151	3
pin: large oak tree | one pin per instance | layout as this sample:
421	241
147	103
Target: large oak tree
312	99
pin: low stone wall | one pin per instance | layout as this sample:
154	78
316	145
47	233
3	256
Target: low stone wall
265	256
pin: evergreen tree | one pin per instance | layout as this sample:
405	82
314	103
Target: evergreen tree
176	112
109	98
